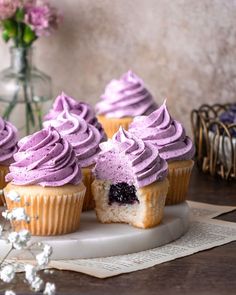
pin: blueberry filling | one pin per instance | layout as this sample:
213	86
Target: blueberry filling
122	193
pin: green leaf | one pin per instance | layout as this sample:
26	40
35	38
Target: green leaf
10	27
20	14
5	36
29	35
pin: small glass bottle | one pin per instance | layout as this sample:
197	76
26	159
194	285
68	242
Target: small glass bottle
25	92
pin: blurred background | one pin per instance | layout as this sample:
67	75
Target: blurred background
184	50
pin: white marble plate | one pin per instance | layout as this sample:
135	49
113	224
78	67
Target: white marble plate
100	240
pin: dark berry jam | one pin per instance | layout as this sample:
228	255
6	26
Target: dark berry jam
122	193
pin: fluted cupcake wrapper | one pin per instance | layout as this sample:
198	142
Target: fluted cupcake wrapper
52	211
89	203
112	125
154	195
3	172
179	176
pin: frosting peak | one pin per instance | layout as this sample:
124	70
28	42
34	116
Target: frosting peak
46	159
8	142
166	134
126	97
125	158
83	137
64	102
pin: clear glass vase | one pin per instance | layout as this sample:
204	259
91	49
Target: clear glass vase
25	92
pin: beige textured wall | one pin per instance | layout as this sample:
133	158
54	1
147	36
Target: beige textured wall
183	49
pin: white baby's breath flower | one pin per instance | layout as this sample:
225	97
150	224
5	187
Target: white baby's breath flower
24	236
49	271
19	214
30	273
47	250
19	239
50	289
37	284
6	214
13	196
42	259
7	273
13	237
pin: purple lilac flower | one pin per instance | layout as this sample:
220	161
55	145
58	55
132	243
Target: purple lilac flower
42	17
229	116
8	8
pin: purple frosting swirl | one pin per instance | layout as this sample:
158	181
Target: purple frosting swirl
8	142
125	158
126	97
165	133
83	137
85	111
44	158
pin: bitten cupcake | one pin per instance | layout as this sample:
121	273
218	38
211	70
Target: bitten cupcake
131	183
85	140
47	177
8	147
174	146
84	110
122	100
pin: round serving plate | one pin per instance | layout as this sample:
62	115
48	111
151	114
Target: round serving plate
95	239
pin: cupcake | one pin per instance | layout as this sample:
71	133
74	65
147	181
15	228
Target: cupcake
122	100
85	111
47	177
85	139
174	146
8	147
131	183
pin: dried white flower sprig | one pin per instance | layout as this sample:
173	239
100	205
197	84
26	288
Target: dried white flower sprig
21	241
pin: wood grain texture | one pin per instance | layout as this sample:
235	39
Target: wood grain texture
208	272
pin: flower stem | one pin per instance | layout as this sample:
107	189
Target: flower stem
11	106
27	119
5	257
28	107
37	108
39	115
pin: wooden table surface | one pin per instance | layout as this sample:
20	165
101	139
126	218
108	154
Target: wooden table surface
208	272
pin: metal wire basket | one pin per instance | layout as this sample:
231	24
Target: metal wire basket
215	141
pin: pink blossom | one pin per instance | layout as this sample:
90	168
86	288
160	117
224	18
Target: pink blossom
42	17
8	8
